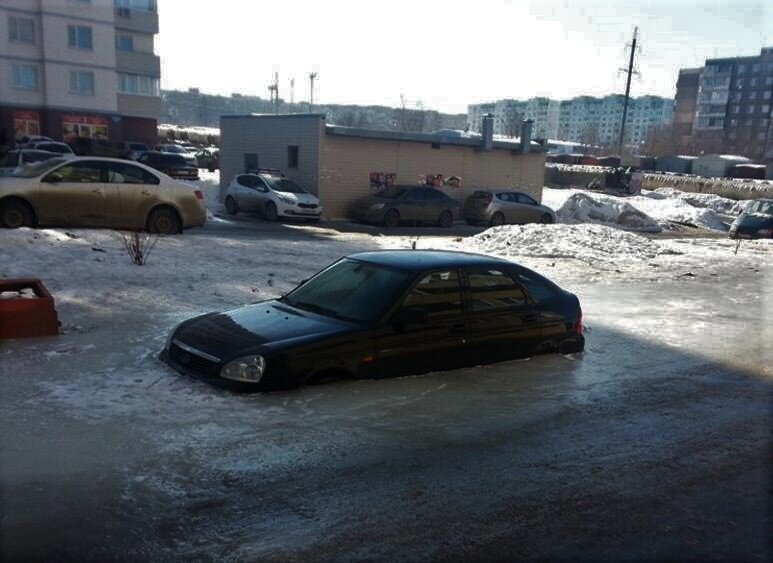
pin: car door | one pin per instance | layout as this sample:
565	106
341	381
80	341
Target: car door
413	206
545	295
437	342
132	192
73	194
530	208
504	322
437	202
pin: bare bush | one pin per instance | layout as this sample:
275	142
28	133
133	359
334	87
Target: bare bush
138	245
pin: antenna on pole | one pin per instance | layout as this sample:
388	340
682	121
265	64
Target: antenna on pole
273	90
630	71
312	77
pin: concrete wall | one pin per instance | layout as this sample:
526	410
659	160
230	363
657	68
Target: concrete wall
558	177
346	164
269	136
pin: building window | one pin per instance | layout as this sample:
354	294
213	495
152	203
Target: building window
138	84
755	67
768	80
752	95
82	82
24	77
292	156
753	81
79	36
124	42
21	29
733	122
765	108
741	68
142	5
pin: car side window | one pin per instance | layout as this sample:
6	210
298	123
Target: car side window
80	172
540	291
437	293
494	290
523	198
245	180
505	197
434	194
259	184
417	195
119	173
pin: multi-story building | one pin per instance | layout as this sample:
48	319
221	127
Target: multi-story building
584	119
684	107
71	68
733	106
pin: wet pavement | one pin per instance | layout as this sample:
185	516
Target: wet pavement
653	444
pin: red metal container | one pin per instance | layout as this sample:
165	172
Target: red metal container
27	317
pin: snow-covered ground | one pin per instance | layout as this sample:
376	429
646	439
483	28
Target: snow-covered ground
108	453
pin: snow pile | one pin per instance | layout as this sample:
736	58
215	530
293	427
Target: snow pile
719	204
587	243
608	210
678	207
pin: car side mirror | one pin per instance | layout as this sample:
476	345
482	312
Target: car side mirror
53	178
412	316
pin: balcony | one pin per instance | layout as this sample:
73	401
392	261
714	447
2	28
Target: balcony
138	63
139	106
142	21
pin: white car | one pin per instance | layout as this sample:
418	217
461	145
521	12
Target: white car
272	195
52	146
17	159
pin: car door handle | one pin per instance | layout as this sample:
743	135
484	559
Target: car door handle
530	318
458	329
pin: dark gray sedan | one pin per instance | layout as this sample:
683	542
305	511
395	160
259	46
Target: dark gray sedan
416	204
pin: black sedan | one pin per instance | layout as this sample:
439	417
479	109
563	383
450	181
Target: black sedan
382	314
415	204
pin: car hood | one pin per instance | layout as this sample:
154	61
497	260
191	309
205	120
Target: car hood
298	198
753	220
13	182
268	323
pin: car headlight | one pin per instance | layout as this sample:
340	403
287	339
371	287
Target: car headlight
285	199
170	336
248	369
377	206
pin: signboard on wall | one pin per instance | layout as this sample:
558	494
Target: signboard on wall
382	180
25	123
86	126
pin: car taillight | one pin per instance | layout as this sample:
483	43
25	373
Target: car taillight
199	194
578	326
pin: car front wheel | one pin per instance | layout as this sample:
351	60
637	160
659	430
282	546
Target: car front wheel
546	218
391	218
270	212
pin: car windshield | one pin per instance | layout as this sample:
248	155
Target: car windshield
285	185
761	207
38	168
138	147
392	193
350	290
175	149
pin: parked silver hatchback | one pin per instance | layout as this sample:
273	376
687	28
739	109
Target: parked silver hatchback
500	208
273	196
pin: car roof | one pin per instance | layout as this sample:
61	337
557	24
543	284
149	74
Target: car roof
420	260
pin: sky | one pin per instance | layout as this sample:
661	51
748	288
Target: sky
446	55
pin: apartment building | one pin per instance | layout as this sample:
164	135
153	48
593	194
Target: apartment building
685	102
733	106
584	119
79	68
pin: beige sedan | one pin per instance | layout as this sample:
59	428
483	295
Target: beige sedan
99	192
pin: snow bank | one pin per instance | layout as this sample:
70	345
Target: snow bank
584	242
609	210
716	203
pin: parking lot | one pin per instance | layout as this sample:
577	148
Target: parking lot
654	443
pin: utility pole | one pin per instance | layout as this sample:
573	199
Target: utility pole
292	93
312	77
630	72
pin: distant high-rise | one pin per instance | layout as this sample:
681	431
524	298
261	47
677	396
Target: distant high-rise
79	68
584	119
732	106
